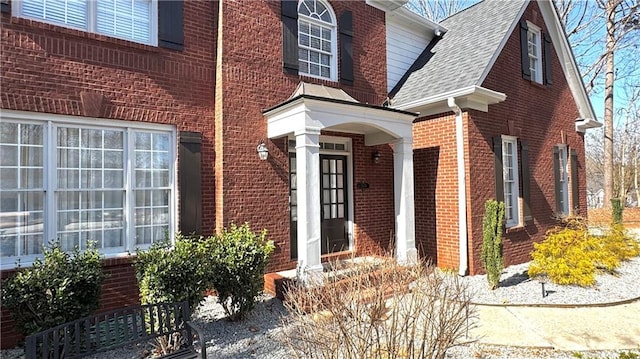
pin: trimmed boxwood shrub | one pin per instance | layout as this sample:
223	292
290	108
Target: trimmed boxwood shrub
175	273
61	288
238	257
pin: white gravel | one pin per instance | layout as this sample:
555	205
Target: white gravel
257	336
517	288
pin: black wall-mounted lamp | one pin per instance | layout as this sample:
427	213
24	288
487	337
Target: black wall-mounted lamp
375	156
262	150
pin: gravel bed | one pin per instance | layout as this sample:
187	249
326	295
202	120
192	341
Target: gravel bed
517	288
258	335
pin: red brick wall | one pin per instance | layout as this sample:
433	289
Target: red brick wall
436	188
119	289
45	67
251	80
541	115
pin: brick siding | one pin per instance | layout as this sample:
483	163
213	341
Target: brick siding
542	115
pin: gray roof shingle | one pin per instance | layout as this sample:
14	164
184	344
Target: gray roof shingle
461	56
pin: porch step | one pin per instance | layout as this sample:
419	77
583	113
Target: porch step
275	283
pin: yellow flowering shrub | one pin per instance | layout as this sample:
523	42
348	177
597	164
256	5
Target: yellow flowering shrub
570	255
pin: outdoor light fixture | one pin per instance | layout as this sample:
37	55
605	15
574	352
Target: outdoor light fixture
262	150
375	156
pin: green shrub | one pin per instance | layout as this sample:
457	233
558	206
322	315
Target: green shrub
616	211
238	258
492	227
63	287
570	255
176	273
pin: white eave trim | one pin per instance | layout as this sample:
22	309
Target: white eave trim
474	97
387	5
410	19
583	124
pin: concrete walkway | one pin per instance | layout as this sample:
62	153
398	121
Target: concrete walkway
596	328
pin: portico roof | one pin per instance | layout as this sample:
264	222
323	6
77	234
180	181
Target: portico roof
320	107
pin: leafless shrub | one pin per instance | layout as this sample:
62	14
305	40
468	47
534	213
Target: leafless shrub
379	309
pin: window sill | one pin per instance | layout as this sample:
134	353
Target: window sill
516	229
539	85
35	24
319	81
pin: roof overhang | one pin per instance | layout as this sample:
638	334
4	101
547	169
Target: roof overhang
472	97
379	125
583	124
387	5
410	19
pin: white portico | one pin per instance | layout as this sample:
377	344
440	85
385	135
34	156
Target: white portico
313	108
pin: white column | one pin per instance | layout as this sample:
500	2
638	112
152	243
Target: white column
403	195
308	195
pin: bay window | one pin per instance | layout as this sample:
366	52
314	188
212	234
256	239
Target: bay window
62	179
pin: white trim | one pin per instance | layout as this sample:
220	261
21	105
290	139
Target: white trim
387	5
563	162
532	28
463	242
51	123
334	40
94	122
515	194
410	19
475	97
583	124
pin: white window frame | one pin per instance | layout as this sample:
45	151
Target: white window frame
51	123
563	170
537	55
512	215
333	62
91	21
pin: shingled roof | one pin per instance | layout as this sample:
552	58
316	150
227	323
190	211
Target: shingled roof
460	57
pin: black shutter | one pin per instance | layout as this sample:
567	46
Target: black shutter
189	169
548	48
4	6
170	24
575	193
524	50
556	178
289	14
526	197
346	47
497	164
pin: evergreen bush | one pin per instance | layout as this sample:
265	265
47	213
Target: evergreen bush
616	211
61	288
238	258
492	227
175	273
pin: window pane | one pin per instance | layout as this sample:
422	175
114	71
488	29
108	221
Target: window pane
9	155
8	246
68	137
9	133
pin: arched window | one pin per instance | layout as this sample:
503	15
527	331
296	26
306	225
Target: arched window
317	40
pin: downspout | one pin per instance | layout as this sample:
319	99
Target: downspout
462	189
